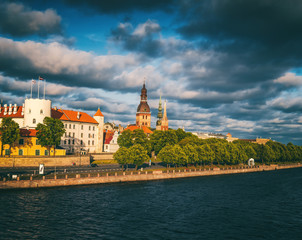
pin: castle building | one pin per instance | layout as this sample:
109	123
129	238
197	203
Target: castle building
83	132
143	114
162	123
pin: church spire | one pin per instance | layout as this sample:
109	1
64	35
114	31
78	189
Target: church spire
160	110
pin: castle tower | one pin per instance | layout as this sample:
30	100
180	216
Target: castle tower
159	115
99	117
165	122
143	114
35	110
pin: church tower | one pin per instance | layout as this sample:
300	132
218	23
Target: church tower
143	114
165	122
159	115
99	117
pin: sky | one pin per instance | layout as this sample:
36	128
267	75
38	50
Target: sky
227	66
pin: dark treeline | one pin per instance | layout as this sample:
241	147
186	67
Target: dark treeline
178	148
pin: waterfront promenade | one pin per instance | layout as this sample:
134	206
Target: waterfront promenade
130	176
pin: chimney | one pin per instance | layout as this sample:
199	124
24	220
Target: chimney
15	109
78	115
22	109
10	109
5	109
55	108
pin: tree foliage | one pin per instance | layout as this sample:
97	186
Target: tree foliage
50	132
122	156
9	133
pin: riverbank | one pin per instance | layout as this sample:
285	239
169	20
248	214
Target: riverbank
77	179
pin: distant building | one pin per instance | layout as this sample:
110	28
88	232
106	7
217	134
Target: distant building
83	132
229	138
143	114
110	143
209	135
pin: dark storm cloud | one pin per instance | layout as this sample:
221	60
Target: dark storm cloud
18	20
255	41
145	39
122	6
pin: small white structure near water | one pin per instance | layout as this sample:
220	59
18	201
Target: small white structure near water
251	162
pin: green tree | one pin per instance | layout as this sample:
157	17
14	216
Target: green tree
9	133
205	154
181	134
139	137
180	157
138	155
125	139
122	156
191	154
160	139
50	132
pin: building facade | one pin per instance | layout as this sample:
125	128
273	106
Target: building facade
83	132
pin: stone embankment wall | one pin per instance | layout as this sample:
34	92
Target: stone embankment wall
47	161
102	156
135	176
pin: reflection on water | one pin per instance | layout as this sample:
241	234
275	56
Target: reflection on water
264	205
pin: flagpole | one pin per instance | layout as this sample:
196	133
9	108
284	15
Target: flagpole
44	87
31	88
38	86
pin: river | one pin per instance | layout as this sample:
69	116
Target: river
261	205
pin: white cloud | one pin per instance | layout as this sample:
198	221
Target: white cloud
290	79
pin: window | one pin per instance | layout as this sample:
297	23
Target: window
65	125
93	128
89	135
65	134
146	117
34	120
73	141
21	141
65	142
89	128
29	111
41	111
81	142
92	142
68	141
106	146
143	117
69	126
92	135
6	151
72	134
37	142
73	126
37	152
88	142
46	153
81	135
81	127
20	152
69	135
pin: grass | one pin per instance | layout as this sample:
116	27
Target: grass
102	162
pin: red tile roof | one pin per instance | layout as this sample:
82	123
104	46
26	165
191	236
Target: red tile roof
99	113
28	132
144	128
108	137
17	115
69	115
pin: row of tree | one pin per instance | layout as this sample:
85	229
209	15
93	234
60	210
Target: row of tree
178	148
49	133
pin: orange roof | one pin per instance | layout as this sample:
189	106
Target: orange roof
69	115
99	113
16	115
144	128
28	132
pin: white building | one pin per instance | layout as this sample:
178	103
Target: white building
110	144
83	132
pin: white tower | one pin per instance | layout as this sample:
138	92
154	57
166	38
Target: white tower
99	117
35	110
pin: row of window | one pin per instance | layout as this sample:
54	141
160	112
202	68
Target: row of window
21	141
21	152
82	127
69	142
82	135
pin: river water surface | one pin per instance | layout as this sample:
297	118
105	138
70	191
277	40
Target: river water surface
263	205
